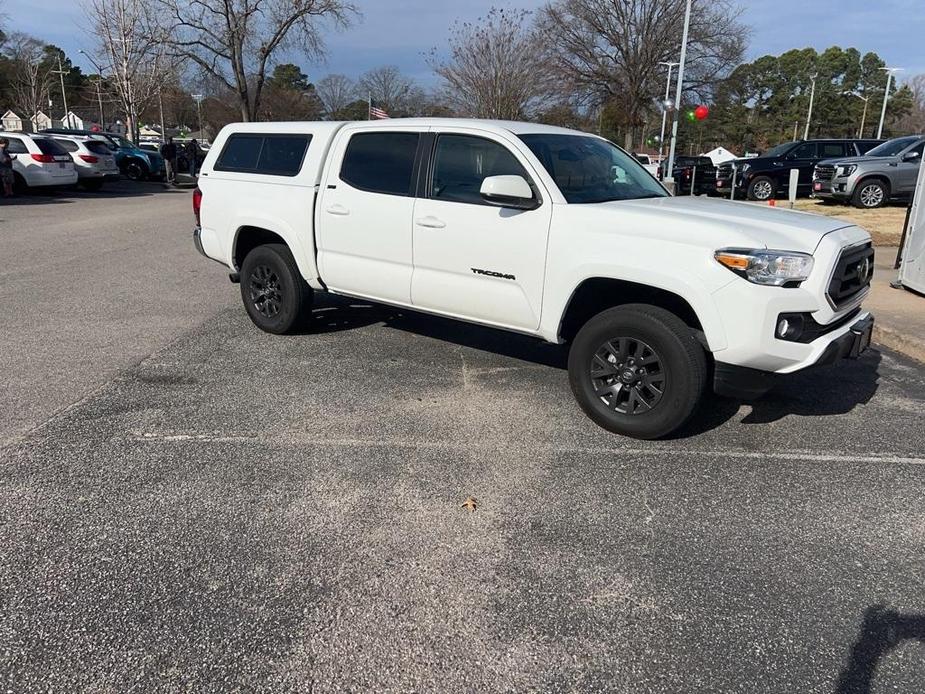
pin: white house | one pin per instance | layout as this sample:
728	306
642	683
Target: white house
10	121
73	121
40	121
719	155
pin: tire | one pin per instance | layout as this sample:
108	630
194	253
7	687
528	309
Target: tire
627	403
762	189
275	296
870	194
135	170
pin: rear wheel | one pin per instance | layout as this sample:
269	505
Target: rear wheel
135	170
275	296
637	370
870	194
762	188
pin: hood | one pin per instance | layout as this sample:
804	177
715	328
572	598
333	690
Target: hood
857	160
727	224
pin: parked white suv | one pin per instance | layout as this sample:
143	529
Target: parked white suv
543	231
94	161
39	161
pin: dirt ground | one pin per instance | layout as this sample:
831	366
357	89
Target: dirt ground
885	224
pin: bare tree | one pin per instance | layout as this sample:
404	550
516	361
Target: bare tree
31	76
133	58
234	41
607	51
914	120
494	69
388	88
335	92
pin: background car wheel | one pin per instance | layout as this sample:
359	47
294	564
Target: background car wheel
135	170
637	370
275	296
870	194
762	188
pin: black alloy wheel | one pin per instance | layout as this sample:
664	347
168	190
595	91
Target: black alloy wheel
628	376
265	291
275	296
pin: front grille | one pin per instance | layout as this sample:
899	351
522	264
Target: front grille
824	173
852	275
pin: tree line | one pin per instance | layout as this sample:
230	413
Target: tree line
593	64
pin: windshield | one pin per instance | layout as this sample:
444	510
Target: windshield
891	148
588	169
778	151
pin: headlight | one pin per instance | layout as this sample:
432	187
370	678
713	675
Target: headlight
845	170
773	268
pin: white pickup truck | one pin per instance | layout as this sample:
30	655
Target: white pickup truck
542	231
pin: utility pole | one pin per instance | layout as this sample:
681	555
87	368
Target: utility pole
61	74
865	99
661	137
809	115
677	101
99	85
160	107
886	95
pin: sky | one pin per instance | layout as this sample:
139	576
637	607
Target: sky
402	32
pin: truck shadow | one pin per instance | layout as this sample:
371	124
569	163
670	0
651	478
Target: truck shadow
816	392
882	630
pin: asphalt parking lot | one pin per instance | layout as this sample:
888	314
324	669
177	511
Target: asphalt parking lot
190	505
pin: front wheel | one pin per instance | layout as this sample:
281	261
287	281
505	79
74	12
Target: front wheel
869	195
761	189
637	370
275	296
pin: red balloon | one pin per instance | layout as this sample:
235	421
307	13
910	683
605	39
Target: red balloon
701	112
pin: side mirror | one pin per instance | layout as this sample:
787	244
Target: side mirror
912	156
508	191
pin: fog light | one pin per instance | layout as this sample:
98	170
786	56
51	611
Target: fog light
790	326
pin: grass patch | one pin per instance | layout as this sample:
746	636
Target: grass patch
885	224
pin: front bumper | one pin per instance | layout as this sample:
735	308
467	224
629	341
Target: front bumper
744	383
833	189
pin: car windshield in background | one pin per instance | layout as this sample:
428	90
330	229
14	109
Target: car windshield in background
48	146
891	148
778	151
588	169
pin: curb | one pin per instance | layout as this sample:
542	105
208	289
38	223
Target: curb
899	342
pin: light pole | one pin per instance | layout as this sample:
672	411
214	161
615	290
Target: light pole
886	95
677	101
865	99
99	84
661	137
809	115
198	98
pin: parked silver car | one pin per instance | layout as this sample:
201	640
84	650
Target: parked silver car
94	160
887	172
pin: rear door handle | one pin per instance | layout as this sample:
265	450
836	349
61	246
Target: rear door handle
430	222
338	210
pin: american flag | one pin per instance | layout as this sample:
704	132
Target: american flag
375	112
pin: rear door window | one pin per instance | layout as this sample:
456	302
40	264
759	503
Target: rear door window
380	162
828	150
271	154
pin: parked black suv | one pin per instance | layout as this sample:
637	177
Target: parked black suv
763	177
697	170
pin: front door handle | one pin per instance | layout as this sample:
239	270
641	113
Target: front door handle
430	222
338	210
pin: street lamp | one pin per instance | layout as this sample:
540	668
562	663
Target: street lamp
99	82
865	99
661	138
677	101
886	95
198	98
809	115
